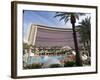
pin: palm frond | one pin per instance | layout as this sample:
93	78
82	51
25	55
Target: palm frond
66	15
66	19
59	14
76	16
62	17
80	14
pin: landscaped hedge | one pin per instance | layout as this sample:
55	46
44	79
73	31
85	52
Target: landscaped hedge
55	65
69	64
33	66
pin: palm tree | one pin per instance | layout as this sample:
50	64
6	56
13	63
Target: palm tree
66	16
25	46
84	31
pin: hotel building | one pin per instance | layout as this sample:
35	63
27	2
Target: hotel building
40	35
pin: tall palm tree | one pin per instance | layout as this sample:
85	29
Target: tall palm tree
84	31
66	16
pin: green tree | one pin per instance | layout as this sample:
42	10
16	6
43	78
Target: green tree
66	16
84	31
25	46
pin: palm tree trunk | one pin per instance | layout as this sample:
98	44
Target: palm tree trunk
78	59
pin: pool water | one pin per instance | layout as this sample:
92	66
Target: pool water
43	59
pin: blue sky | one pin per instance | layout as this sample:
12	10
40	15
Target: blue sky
42	18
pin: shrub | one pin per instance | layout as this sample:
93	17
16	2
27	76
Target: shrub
69	64
34	66
55	65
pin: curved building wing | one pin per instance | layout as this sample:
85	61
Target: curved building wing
49	36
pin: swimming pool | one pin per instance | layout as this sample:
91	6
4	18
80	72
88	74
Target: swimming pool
43	59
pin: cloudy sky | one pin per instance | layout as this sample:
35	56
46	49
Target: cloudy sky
44	18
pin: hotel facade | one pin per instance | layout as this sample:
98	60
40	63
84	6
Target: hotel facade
40	35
